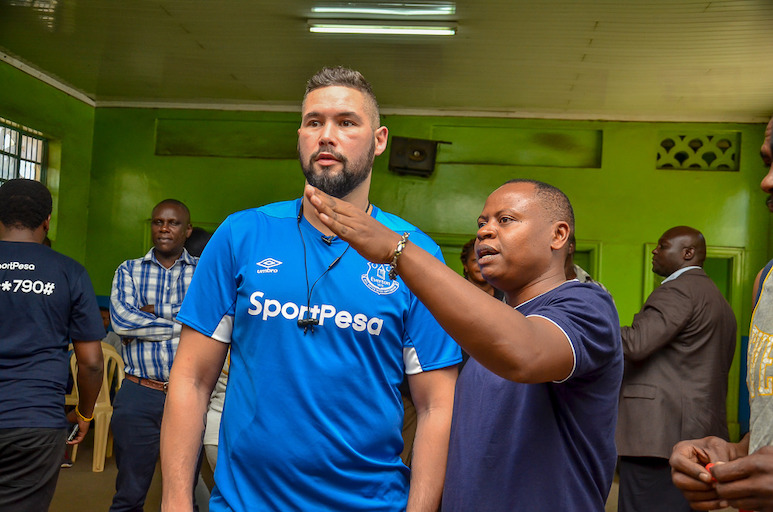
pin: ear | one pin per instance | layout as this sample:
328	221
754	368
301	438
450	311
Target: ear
47	224
560	235
188	231
381	135
688	253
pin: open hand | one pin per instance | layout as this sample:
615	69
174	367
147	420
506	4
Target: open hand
374	241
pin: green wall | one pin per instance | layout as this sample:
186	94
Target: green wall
622	204
116	163
69	124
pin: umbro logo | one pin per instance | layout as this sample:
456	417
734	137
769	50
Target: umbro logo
268	265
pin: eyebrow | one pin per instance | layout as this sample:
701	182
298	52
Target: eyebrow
337	114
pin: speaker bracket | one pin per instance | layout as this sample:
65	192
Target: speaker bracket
413	156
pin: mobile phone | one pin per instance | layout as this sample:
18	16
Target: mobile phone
73	433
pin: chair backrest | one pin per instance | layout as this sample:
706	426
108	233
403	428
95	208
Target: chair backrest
114	366
71	398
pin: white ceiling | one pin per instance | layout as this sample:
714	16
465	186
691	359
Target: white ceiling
669	60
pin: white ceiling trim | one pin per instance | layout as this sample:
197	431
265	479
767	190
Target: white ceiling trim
53	82
573	116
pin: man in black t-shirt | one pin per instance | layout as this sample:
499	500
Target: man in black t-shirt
46	300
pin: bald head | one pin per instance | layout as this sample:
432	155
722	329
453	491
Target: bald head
679	247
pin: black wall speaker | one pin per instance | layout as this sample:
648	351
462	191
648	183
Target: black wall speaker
412	156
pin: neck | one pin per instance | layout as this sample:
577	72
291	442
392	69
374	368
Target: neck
167	260
357	197
536	287
22	235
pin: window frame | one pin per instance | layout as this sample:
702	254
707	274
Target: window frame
41	159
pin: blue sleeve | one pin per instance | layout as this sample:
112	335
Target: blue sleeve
434	348
210	302
588	317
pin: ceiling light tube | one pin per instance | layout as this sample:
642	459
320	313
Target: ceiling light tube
383	28
387	9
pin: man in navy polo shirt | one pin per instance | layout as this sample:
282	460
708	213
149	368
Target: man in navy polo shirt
536	404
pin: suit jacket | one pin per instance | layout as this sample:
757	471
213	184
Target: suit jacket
678	353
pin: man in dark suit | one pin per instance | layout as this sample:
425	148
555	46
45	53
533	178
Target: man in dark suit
678	353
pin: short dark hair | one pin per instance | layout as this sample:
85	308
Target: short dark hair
176	203
555	202
345	77
24	204
197	241
467	249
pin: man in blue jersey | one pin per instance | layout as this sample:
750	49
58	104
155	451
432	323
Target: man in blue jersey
742	473
320	340
145	299
46	301
536	403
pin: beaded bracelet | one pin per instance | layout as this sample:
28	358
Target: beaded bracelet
396	256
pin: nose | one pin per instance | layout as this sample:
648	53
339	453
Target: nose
767	182
327	135
485	231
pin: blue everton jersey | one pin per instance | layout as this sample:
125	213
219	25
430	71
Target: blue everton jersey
312	420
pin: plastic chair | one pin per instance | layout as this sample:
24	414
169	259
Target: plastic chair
103	409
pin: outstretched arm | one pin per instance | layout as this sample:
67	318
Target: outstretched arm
492	332
195	370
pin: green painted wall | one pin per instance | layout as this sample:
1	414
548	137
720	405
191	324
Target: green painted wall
622	204
108	186
69	124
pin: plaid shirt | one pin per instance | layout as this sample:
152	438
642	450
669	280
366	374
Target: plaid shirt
152	338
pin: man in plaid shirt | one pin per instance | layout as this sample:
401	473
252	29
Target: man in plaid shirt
146	296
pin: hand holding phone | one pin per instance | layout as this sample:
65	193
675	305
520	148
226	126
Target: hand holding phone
73	432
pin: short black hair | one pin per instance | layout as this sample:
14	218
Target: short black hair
555	202
467	249
345	77
24	204
176	203
197	241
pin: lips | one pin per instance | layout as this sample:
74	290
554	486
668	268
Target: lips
485	253
326	159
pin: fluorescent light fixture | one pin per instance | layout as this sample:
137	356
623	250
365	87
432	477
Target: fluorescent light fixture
381	28
386	9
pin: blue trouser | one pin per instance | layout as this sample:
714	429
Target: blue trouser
136	424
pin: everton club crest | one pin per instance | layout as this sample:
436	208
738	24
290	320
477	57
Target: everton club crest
377	279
